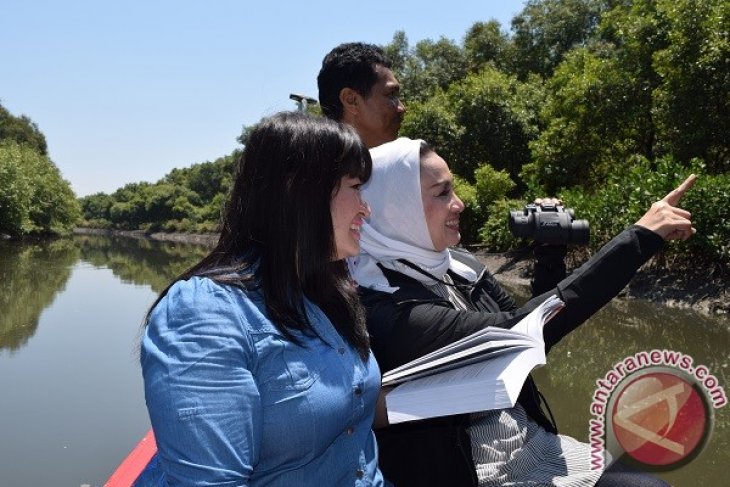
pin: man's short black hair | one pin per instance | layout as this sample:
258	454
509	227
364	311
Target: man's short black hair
349	65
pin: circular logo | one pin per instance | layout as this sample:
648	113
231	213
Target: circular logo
660	419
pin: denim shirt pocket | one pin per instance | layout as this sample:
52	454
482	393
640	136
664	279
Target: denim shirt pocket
284	365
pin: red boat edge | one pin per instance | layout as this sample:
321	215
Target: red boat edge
130	469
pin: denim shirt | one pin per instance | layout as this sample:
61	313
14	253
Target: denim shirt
232	402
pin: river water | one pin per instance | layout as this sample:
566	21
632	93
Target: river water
71	400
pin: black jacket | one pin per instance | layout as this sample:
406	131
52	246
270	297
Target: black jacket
413	321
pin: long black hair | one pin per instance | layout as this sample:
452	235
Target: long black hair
277	233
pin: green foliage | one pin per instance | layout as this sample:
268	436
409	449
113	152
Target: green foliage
494	233
211	212
206	179
546	30
692	105
604	102
633	32
34	198
629	193
435	122
490	187
486	45
15	189
655	83
472	217
484	118
96	206
486	106
22	130
591	121
426	68
185	200
708	203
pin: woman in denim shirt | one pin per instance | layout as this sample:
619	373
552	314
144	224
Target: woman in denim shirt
256	361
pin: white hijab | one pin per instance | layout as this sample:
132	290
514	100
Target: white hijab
397	227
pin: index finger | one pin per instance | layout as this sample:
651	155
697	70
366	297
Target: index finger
676	194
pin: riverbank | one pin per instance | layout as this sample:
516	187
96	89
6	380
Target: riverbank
695	291
678	289
206	239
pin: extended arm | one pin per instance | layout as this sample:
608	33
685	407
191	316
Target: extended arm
407	330
421	327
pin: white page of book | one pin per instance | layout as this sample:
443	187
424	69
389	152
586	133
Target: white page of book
515	373
483	371
482	336
479	352
530	327
453	392
533	323
481	386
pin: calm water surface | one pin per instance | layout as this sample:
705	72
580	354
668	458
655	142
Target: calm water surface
71	400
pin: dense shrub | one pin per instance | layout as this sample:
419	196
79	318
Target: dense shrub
629	194
489	186
494	234
185	200
708	203
472	217
34	198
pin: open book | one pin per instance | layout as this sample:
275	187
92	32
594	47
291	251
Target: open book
483	371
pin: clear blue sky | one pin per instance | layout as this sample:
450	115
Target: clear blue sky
126	91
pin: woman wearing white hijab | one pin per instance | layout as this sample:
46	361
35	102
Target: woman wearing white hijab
421	295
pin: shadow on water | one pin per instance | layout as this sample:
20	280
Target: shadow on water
621	329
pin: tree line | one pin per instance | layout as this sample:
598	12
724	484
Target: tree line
185	200
34	198
606	103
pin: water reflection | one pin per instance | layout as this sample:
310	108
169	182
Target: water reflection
139	261
622	329
31	276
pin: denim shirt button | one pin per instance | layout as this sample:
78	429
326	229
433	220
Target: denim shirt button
359	473
341	350
358	391
350	430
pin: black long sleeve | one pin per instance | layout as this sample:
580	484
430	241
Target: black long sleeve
406	328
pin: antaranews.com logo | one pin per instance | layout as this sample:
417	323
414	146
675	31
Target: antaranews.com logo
656	407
